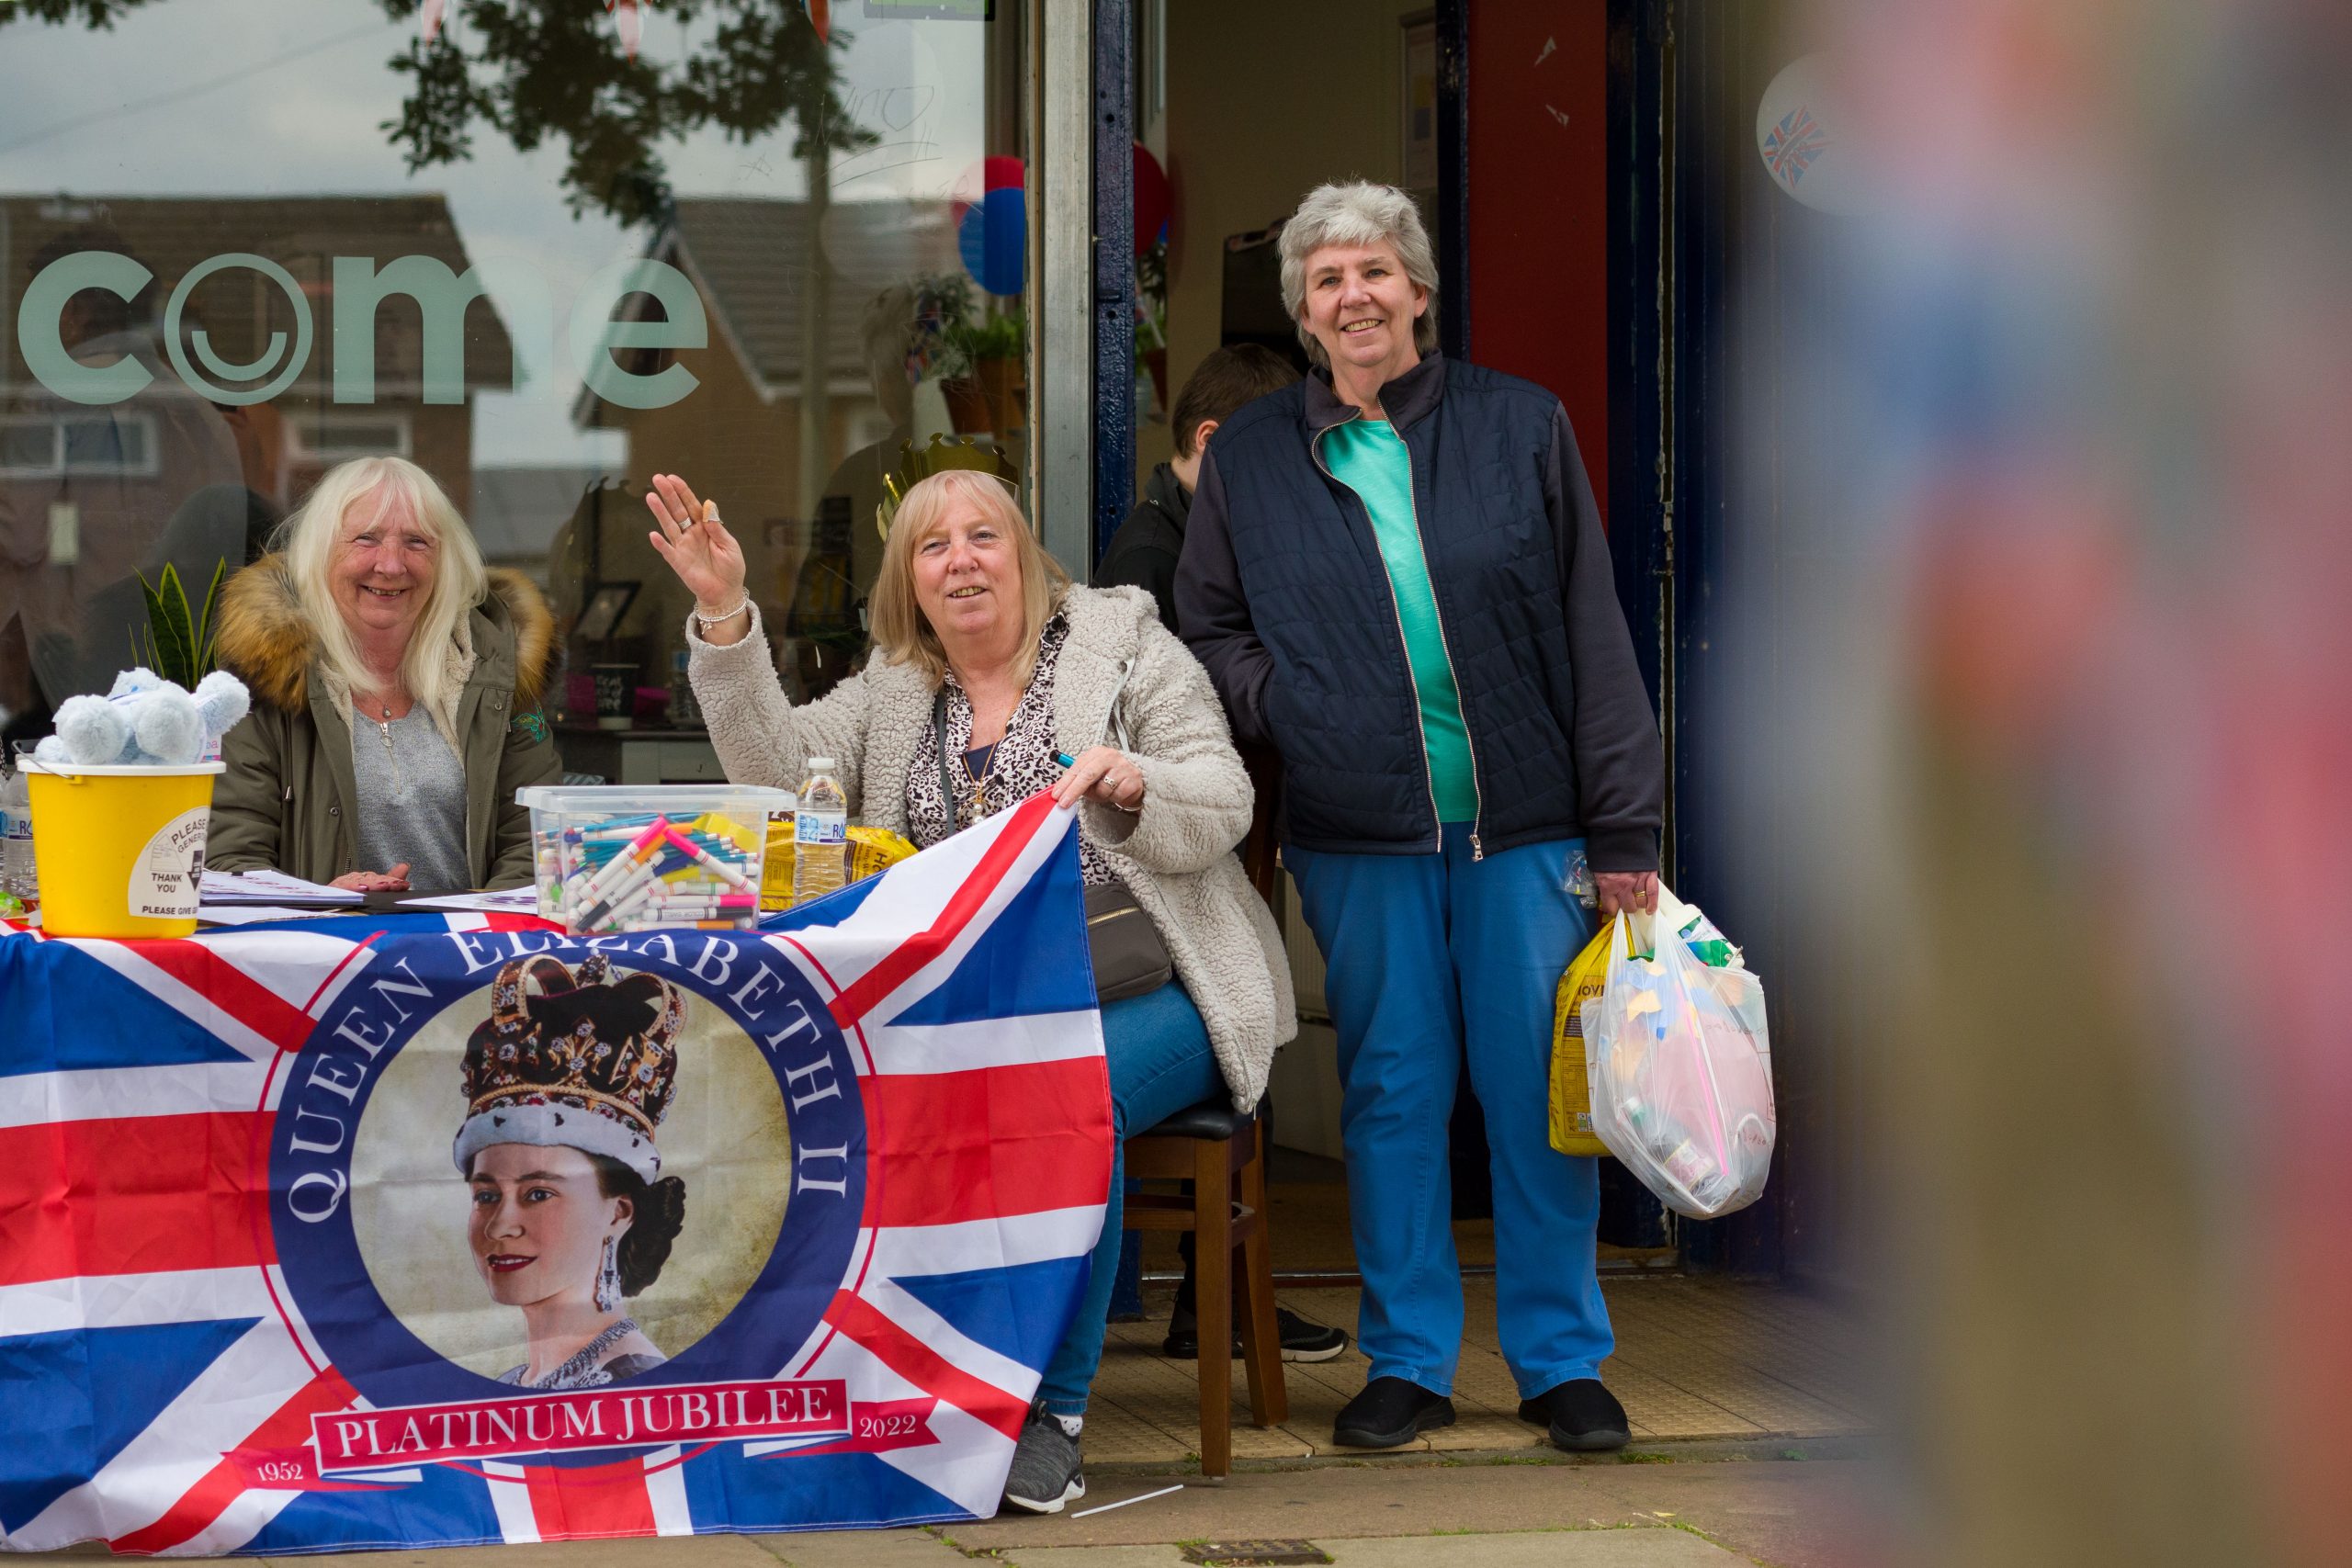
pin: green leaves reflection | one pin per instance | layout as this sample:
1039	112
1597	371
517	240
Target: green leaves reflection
536	71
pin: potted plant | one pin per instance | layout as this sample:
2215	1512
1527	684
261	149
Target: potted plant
178	641
997	346
945	307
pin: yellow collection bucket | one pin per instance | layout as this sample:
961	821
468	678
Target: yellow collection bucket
121	849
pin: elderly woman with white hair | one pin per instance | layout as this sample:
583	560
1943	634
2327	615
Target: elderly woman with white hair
396	688
1397	577
988	663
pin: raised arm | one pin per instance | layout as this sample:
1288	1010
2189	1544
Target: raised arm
760	737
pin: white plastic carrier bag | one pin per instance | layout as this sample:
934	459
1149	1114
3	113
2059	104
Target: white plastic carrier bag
1679	1063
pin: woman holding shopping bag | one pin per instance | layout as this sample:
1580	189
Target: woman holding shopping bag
1397	577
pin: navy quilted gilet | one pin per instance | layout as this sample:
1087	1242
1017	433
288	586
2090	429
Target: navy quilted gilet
1340	701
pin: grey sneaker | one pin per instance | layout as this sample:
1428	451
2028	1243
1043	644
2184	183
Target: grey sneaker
1045	1467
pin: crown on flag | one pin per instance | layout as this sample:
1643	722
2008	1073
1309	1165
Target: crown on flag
574	1058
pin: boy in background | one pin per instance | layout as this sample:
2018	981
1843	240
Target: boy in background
1143	552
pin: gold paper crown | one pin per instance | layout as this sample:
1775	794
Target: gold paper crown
941	452
574	1058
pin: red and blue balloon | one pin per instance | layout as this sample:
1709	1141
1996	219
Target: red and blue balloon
991	214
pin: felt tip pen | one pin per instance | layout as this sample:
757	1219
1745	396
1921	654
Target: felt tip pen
704	859
614	872
1065	759
634	897
624	876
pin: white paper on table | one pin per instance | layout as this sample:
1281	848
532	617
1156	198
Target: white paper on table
252	914
265	886
513	901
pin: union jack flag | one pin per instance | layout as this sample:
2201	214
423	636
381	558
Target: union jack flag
1790	146
178	1350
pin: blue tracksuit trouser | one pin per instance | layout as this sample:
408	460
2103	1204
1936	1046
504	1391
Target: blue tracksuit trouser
1430	956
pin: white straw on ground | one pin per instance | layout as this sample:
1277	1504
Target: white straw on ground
1125	1501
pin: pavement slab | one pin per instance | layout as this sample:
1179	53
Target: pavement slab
1331	1501
863	1549
1630	1547
635	1552
1098	1557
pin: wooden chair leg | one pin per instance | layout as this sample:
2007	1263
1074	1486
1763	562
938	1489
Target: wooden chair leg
1261	1346
1212	1300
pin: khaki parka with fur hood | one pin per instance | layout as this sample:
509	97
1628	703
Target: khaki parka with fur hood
286	798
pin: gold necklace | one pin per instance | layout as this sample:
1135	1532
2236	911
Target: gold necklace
980	781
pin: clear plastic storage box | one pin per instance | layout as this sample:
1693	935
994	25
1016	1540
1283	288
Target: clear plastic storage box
635	857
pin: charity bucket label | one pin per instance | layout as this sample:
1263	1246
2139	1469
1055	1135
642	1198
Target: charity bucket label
168	874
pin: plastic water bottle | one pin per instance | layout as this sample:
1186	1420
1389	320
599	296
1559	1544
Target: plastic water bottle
16	872
819	834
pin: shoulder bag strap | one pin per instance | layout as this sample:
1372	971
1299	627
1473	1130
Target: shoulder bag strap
939	728
1114	728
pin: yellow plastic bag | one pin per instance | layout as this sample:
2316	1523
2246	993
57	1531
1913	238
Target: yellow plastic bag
1571	1092
871	850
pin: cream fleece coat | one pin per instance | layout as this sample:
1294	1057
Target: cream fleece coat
1175	854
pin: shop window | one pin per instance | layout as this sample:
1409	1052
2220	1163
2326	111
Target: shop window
770	258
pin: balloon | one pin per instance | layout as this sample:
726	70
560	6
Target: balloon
1152	201
993	224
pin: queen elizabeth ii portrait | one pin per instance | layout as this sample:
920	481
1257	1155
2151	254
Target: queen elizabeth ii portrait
567	1083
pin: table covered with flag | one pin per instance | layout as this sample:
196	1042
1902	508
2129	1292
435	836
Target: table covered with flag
249	1302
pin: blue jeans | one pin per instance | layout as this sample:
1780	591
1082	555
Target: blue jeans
1158	1051
1431	957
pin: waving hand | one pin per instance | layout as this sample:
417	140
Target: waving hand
696	545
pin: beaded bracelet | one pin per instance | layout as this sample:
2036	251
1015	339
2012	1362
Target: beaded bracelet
706	621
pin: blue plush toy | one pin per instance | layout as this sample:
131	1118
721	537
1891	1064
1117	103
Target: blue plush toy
146	721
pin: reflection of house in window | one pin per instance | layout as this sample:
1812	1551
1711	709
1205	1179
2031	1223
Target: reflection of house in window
285	443
65	445
739	436
327	439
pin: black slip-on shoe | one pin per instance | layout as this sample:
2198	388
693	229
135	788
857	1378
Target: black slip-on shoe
1579	1416
1390	1412
1301	1340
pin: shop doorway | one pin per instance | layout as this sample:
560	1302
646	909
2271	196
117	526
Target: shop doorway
1518	195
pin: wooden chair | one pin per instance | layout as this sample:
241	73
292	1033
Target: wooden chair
1223	1153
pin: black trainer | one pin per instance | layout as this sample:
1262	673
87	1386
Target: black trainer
1045	1473
1301	1340
1390	1412
1579	1416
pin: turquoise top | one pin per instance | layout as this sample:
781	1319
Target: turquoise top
1369	458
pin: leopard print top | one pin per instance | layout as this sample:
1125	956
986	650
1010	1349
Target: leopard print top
1023	765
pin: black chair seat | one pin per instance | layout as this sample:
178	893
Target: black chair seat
1212	1120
